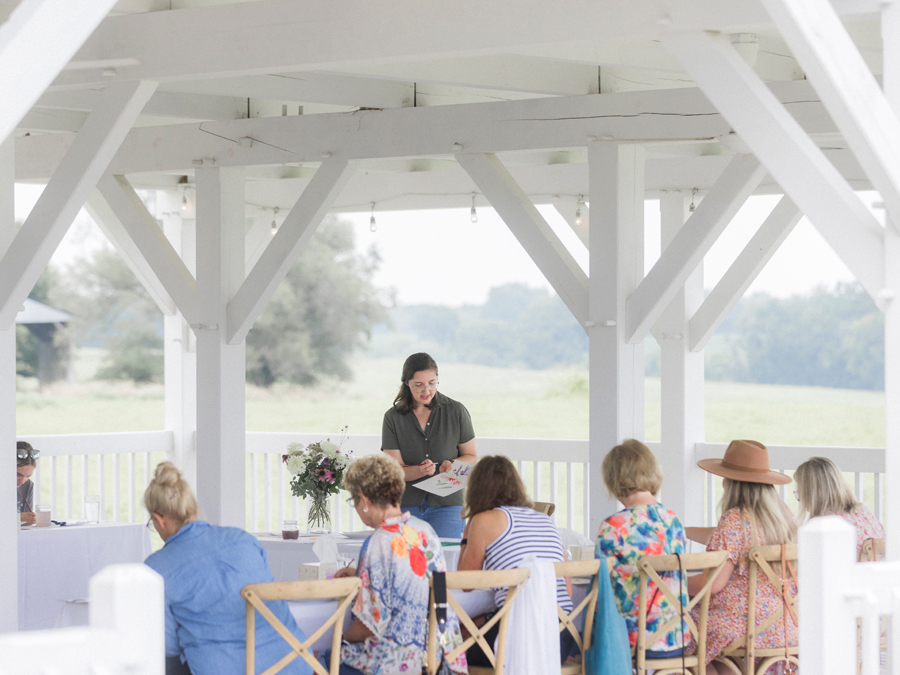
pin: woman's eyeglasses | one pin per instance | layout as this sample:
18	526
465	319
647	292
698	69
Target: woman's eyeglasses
151	525
351	502
421	386
25	453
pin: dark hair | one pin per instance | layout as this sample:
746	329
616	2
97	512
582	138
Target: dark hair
28	461
494	482
413	364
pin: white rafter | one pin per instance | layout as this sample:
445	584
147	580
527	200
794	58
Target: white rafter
832	62
36	41
529	227
65	194
287	244
792	158
743	271
161	104
150	239
692	242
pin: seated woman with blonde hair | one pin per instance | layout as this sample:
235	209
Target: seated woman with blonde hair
204	568
822	491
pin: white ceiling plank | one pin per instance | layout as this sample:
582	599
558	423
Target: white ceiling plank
563	122
743	272
99	209
793	159
72	182
849	90
285	247
278	36
150	239
529	227
161	104
36	41
681	257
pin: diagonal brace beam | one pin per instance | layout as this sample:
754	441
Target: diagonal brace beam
529	227
793	159
36	41
743	271
285	247
149	238
106	219
693	241
68	189
849	91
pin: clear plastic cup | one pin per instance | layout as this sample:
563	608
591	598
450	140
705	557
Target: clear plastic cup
92	508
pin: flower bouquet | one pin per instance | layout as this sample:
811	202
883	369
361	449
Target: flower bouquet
317	471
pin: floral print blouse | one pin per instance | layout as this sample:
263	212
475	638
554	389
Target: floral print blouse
628	536
866	524
395	565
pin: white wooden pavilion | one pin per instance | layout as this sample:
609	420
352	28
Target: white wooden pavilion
245	112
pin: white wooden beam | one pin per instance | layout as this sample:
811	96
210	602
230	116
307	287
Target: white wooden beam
36	41
536	124
161	257
108	222
743	271
72	183
529	227
791	157
161	104
691	244
285	247
832	62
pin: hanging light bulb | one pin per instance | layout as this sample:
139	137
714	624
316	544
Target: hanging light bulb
578	219
184	204
372	226
274	223
692	207
473	214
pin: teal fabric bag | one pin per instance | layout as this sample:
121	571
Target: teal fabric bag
610	653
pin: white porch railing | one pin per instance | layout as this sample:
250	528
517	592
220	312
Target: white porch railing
117	467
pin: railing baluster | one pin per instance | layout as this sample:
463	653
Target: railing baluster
84	484
101	485
570	495
879	496
586	501
268	488
710	500
146	478
295	507
782	490
254	479
554	488
116	486
338	505
69	512
52	479
537	481
282	491
36	479
131	486
858	486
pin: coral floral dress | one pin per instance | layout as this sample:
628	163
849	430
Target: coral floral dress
867	526
728	608
395	564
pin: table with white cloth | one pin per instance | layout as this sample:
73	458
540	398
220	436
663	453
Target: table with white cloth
56	564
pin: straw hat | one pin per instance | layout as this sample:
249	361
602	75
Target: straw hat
747	461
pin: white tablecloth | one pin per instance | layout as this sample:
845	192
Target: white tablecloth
56	563
285	555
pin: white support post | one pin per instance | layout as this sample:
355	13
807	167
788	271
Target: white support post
9	562
743	271
616	184
179	351
36	41
529	227
221	428
794	160
288	243
890	25
145	232
65	194
693	241
831	61
681	381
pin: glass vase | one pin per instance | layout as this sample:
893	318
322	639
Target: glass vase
318	520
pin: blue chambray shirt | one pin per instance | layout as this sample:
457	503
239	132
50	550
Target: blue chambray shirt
205	567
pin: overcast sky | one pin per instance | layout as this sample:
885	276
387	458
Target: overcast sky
441	257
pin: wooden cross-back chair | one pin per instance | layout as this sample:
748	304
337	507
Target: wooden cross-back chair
872	550
740	656
476	580
343	590
650	567
588	606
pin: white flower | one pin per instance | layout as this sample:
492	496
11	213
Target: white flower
296	464
329	448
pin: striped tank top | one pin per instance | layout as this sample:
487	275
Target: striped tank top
527	531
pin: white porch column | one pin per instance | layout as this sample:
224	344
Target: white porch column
890	24
616	267
682	383
9	564
220	366
180	346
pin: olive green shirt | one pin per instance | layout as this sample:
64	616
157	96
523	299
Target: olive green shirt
449	426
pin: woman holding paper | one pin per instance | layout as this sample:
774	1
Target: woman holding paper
425	431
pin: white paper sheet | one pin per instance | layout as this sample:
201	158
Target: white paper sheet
447	483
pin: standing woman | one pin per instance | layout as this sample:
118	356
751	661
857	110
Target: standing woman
26	462
424	431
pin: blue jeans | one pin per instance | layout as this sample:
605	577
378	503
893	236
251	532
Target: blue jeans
325	660
444	520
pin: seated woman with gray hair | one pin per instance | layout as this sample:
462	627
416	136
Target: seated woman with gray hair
26	463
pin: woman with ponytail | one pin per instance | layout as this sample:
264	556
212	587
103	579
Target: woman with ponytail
204	568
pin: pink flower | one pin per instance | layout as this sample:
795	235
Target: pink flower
328	476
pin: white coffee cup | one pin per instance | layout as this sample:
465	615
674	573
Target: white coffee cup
42	515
